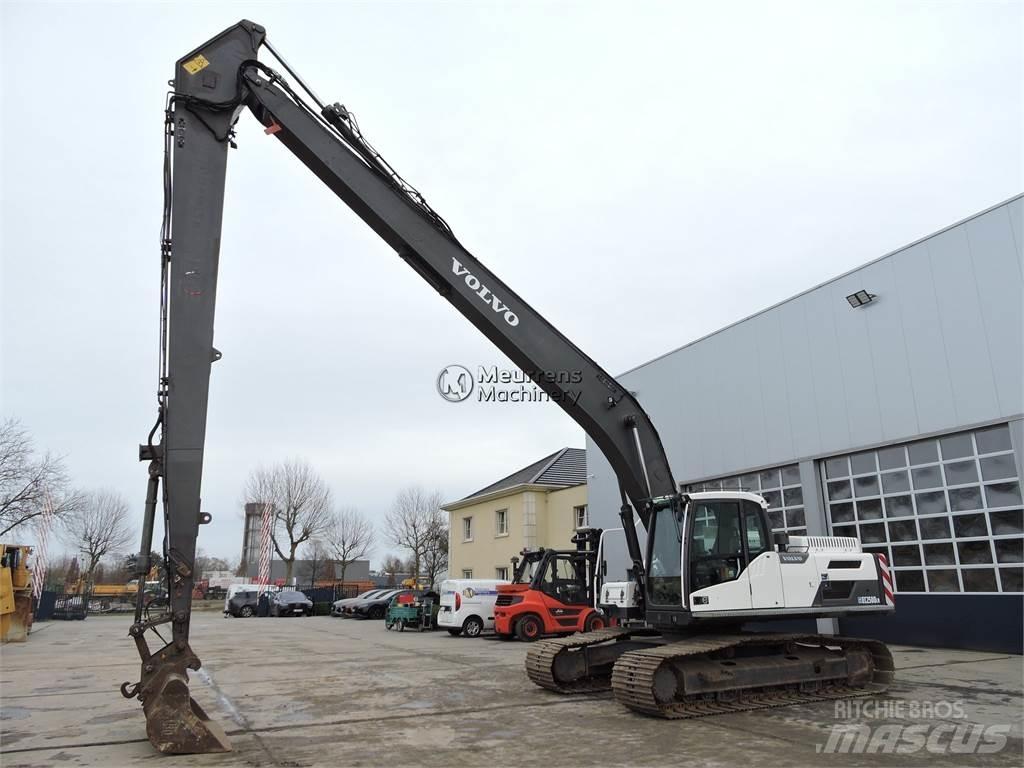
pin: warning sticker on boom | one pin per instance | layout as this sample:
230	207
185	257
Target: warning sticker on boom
196	64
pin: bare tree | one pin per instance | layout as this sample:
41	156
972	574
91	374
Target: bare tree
301	502
65	573
115	569
435	555
391	568
98	527
413	522
317	563
29	481
349	538
205	562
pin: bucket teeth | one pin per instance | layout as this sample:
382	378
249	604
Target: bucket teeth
176	724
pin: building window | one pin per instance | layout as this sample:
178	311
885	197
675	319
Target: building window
501	573
467	573
946	512
467	529
780	487
581	516
501	522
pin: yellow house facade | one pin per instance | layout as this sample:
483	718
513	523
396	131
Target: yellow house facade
540	505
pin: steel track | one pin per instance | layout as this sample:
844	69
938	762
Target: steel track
540	659
634	673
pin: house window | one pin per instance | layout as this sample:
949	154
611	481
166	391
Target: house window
467	573
501	522
581	516
467	529
501	573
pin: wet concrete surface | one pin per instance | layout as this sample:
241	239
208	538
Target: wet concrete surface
324	691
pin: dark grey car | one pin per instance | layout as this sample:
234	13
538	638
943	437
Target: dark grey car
290	603
243	604
375	607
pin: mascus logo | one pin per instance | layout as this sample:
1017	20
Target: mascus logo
496	304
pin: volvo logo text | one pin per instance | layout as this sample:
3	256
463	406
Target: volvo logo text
496	304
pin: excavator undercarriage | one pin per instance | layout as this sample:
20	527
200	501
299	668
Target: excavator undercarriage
674	677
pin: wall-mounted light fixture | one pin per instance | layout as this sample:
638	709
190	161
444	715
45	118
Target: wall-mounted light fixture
860	298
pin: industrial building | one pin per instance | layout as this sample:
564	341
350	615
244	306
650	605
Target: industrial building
540	505
304	572
885	404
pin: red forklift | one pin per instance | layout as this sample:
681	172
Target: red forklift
552	591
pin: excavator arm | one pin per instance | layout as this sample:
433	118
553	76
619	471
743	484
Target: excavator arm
212	85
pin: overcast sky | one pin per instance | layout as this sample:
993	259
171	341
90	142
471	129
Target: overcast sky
643	174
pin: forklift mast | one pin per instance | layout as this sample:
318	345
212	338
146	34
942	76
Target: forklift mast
212	85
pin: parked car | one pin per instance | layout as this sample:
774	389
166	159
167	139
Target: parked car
234	589
243	603
375	607
338	607
288	602
467	605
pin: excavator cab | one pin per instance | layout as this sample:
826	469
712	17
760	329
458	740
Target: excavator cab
726	536
712	556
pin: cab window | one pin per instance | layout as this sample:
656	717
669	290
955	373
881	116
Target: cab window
665	580
564	581
758	540
726	537
716	552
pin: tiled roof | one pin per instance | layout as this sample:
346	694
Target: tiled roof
561	469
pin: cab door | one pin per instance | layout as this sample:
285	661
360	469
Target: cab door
763	572
718	557
565	591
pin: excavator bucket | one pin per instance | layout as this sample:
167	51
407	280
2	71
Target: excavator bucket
176	724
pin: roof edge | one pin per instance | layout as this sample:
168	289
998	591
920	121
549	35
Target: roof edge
546	467
777	304
511	490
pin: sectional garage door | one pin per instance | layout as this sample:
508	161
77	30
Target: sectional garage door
946	512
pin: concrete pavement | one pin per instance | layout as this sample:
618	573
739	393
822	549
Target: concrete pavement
324	691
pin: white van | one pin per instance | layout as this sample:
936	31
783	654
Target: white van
467	605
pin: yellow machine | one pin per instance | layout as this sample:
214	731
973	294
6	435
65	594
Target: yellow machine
114	591
15	593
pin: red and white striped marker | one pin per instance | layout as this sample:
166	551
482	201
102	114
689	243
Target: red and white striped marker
883	568
263	577
40	556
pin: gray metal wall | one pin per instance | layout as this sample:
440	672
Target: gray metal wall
357	570
939	349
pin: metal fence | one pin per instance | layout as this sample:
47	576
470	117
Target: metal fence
69	607
323	597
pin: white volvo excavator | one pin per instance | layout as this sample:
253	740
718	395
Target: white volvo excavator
678	647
